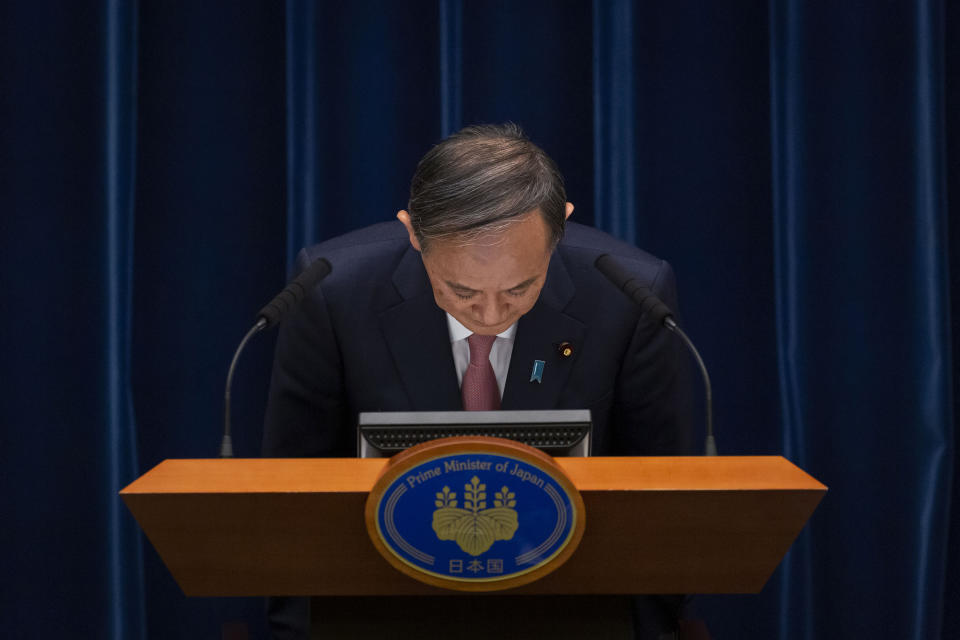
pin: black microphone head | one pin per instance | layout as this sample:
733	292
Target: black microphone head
293	293
640	293
612	270
317	271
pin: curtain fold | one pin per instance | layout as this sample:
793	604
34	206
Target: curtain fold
934	384
788	136
125	595
451	66
303	149
614	117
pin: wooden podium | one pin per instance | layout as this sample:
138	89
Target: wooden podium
257	527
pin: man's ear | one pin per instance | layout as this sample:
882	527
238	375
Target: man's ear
569	210
404	217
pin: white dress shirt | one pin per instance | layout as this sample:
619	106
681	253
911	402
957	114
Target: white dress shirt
499	354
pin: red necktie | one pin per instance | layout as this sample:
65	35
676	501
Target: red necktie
479	386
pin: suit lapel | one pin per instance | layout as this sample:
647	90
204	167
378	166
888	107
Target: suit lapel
417	335
539	333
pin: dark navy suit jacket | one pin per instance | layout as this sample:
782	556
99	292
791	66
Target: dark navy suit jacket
370	337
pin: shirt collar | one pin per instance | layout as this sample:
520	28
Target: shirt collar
460	332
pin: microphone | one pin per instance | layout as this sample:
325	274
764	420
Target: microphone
649	303
293	293
267	317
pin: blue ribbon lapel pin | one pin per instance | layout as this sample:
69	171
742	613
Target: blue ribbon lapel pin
536	375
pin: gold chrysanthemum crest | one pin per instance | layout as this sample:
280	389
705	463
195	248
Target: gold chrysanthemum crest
474	527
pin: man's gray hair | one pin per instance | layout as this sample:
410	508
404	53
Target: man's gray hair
479	181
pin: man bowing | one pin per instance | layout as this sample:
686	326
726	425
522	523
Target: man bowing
453	306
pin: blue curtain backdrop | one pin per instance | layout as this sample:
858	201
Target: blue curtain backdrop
72	561
795	161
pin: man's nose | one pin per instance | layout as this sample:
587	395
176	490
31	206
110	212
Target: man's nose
491	312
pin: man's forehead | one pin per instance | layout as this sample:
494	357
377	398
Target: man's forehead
526	227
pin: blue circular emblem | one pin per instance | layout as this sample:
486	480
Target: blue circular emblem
476	517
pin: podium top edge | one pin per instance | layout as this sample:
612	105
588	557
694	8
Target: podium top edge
354	475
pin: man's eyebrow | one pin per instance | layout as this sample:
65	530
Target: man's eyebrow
456	285
525	283
460	287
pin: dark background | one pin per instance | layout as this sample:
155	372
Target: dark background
162	162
